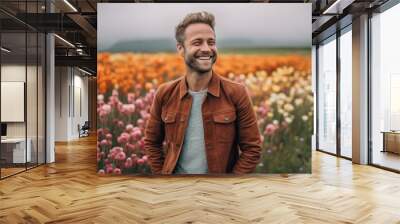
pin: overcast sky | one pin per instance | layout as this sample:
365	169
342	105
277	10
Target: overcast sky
274	24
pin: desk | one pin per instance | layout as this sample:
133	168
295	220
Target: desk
15	148
391	141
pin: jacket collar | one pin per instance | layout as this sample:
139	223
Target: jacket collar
213	86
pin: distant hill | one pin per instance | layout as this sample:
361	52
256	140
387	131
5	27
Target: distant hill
157	45
168	45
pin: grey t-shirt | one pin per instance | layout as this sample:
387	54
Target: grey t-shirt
192	159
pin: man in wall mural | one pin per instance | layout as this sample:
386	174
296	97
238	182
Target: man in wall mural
201	123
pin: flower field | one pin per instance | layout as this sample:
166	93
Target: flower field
280	87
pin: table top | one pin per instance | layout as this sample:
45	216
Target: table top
391	132
14	140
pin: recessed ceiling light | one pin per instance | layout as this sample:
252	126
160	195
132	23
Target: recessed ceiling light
84	71
70	5
337	7
5	49
64	40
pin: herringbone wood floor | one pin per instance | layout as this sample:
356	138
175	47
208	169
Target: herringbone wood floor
69	191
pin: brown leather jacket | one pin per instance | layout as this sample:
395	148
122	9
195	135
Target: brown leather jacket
231	135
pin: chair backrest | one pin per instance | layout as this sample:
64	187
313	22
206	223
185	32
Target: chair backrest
86	125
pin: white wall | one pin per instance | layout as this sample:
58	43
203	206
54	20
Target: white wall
12	73
16	73
71	93
61	103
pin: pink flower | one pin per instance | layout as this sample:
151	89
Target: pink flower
129	128
145	158
262	111
131	98
126	109
114	152
115	92
120	156
150	96
104	142
100	97
139	103
128	163
140	161
130	108
106	131
143	114
140	122
109	168
109	136
270	129
136	135
113	101
123	138
117	171
120	124
122	109
106	108
102	114
116	149
130	147
141	144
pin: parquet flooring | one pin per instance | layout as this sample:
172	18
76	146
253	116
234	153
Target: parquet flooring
9	171
69	191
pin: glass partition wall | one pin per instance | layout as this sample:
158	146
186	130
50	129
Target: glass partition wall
334	109
385	89
334	94
346	95
22	88
326	94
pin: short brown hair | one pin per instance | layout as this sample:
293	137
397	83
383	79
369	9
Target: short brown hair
191	18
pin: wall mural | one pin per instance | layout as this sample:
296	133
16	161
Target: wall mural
274	67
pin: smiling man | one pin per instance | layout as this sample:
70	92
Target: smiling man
206	122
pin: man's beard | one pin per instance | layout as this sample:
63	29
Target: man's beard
193	64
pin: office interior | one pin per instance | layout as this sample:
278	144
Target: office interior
359	87
47	92
49	87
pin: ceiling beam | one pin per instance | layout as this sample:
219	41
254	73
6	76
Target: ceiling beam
81	61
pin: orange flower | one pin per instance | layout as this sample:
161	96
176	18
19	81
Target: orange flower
125	70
